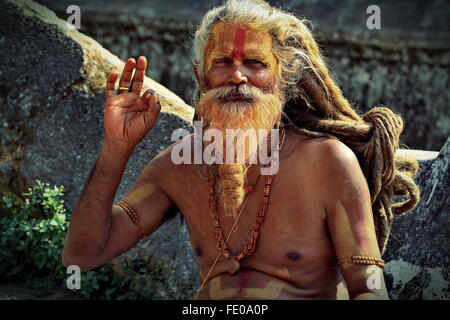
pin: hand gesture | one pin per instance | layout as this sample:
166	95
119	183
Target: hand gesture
128	116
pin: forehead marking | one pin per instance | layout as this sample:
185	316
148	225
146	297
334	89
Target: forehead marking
239	40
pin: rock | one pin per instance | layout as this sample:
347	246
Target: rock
51	87
7	173
418	251
404	65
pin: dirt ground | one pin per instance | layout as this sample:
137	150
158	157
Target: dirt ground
11	290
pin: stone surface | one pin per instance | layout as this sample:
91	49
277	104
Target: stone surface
405	65
418	252
51	88
51	97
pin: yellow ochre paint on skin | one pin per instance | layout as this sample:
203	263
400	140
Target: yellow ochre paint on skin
271	291
342	217
217	293
360	238
143	192
239	42
284	272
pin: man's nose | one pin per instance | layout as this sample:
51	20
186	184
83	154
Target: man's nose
237	77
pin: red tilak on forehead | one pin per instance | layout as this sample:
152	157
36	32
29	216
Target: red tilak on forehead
239	40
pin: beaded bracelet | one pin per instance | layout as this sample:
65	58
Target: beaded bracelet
364	260
129	210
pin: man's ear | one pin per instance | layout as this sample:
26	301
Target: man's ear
200	82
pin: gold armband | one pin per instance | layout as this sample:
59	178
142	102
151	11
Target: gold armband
363	260
132	215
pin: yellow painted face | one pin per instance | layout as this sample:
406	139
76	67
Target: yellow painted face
240	47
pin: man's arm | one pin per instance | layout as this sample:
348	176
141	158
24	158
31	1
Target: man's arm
92	219
98	230
350	221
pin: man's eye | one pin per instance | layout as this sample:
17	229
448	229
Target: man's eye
223	61
254	62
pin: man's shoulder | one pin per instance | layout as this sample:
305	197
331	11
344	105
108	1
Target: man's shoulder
322	146
331	168
324	155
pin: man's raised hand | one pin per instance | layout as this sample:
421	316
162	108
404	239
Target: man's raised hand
129	116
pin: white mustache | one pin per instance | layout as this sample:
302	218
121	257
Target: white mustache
226	93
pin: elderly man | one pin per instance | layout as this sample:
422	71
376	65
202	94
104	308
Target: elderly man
321	219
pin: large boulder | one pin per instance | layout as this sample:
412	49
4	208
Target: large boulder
51	123
418	251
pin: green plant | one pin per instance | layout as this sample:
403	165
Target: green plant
136	280
32	239
32	236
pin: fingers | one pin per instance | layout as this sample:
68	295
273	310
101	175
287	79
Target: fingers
122	100
127	72
151	99
138	78
126	78
111	85
148	95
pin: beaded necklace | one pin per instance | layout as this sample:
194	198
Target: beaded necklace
221	244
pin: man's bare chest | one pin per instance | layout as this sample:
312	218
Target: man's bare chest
293	238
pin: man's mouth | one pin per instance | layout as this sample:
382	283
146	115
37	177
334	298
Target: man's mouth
237	97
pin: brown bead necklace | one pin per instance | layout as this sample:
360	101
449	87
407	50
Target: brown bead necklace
221	244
